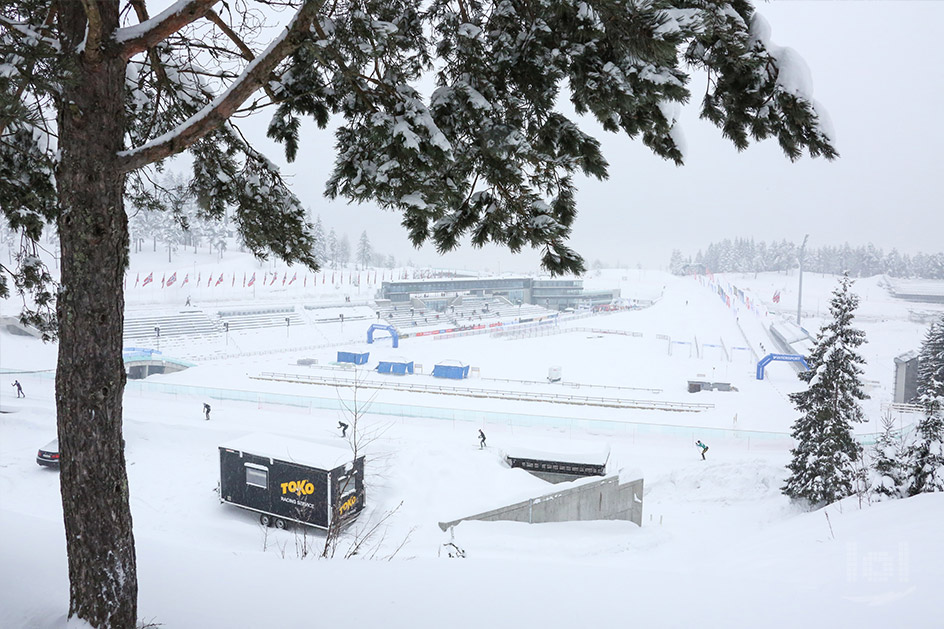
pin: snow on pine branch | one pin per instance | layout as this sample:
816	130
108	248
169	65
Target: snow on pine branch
217	111
139	37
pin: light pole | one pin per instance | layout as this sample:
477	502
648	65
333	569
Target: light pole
800	291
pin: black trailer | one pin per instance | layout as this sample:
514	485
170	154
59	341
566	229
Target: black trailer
292	480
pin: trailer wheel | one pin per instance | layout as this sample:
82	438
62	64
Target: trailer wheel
280	523
265	520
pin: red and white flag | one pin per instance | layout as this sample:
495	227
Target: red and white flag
777	297
186	280
219	281
137	279
294	277
252	280
244	279
148	279
172	279
209	280
275	276
162	280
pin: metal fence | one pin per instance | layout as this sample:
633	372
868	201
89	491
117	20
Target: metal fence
478	392
647	432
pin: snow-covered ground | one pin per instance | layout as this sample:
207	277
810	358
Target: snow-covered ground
719	546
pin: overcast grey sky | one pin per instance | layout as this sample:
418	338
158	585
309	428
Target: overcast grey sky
877	68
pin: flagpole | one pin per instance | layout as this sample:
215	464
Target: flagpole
800	291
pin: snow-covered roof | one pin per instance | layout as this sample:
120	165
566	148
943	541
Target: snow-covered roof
917	287
396	359
322	455
586	456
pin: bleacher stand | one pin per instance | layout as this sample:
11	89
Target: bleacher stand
462	311
254	318
177	329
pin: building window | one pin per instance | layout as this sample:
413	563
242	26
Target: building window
257	476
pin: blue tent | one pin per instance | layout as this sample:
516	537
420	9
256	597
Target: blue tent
451	369
396	367
353	357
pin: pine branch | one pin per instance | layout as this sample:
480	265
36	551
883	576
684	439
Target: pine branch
20	29
218	111
214	17
245	51
52	43
160	27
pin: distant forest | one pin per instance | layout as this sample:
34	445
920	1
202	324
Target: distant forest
744	255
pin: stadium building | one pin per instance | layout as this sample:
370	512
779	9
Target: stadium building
438	293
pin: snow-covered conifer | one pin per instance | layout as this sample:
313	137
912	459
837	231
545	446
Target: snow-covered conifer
676	263
344	250
823	468
925	454
332	249
886	469
365	252
320	247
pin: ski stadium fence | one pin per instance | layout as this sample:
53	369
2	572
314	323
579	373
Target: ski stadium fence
671	433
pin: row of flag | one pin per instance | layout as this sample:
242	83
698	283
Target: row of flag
732	294
286	279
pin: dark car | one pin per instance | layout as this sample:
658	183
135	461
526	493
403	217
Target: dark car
48	455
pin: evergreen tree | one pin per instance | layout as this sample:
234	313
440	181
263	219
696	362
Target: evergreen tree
823	468
925	456
343	250
320	247
886	473
333	255
364	251
676	263
96	94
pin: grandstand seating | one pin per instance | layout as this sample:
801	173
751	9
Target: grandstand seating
177	323
465	310
252	318
329	313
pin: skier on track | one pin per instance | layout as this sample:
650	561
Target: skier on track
481	439
19	389
206	410
343	428
703	447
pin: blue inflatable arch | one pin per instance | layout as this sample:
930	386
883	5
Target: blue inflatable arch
389	328
769	358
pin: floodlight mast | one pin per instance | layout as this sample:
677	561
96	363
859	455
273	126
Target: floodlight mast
800	291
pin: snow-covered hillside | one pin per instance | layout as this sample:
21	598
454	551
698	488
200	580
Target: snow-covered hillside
719	546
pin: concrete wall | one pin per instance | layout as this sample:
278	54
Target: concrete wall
605	499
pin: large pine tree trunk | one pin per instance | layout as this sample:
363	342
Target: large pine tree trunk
90	378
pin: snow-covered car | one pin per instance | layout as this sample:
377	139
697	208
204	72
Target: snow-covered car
48	455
